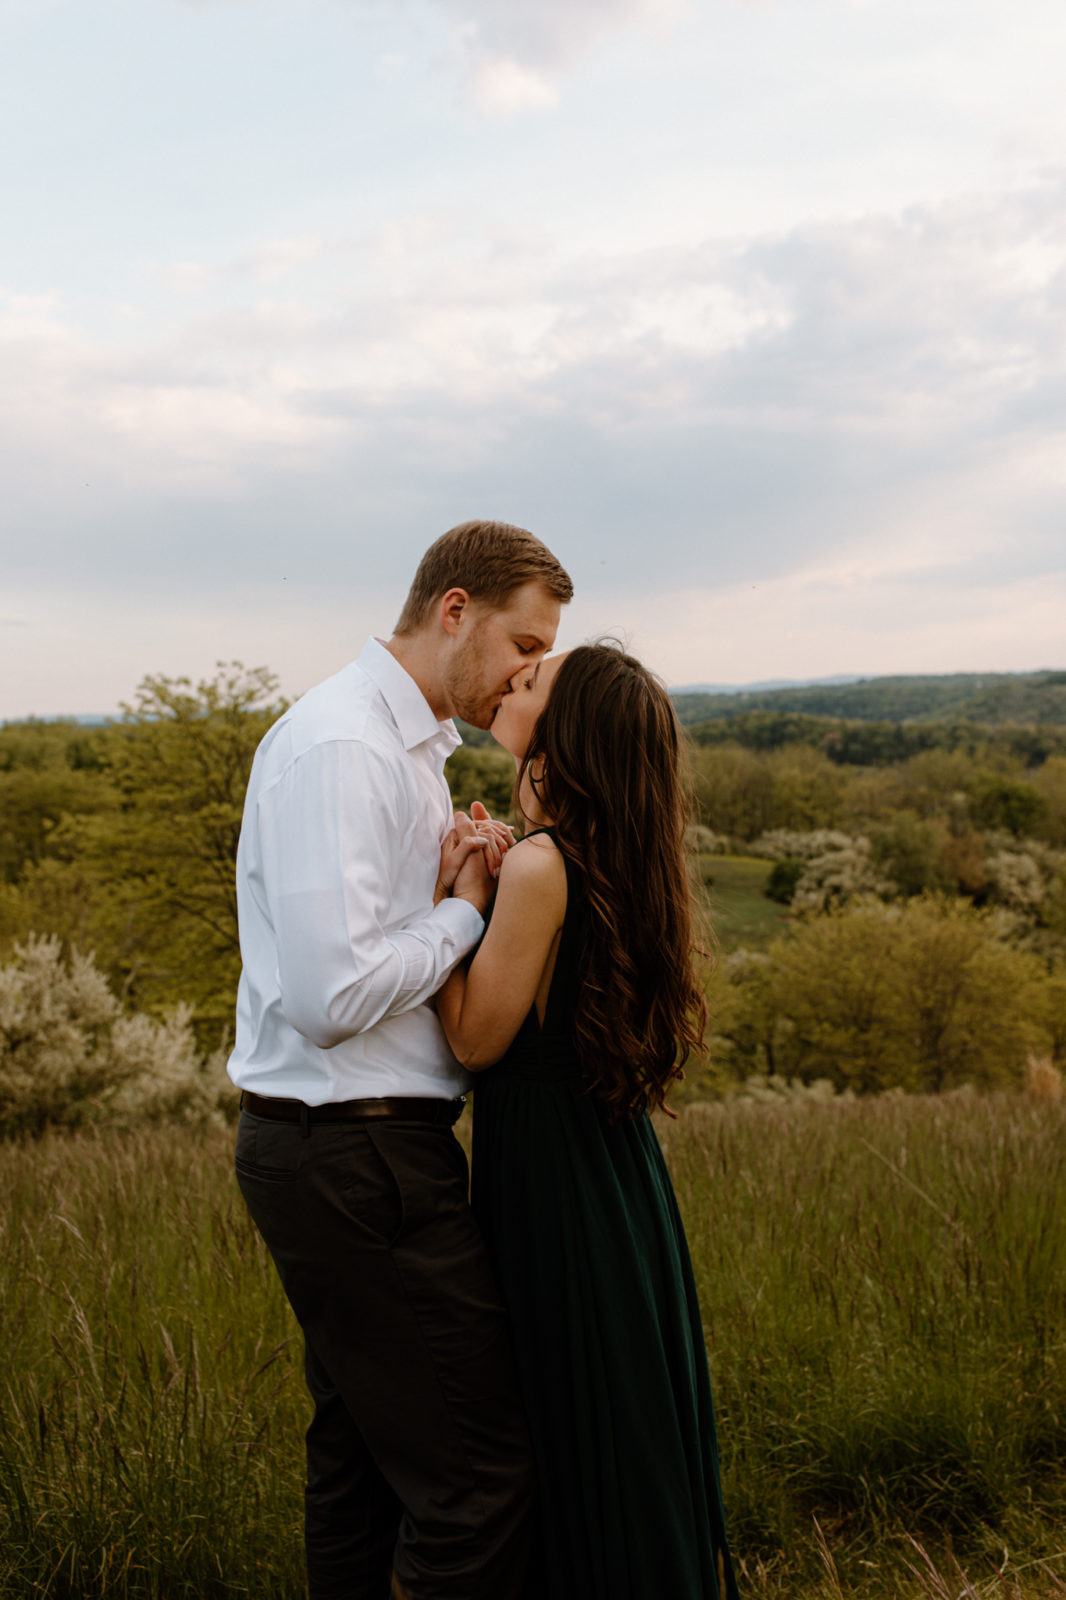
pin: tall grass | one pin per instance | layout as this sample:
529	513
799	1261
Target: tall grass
150	1407
884	1289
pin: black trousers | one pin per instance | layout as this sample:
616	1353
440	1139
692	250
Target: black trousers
418	1459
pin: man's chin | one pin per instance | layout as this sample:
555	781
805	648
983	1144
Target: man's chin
477	716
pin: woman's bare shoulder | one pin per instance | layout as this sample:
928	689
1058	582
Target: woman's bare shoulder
535	860
542	841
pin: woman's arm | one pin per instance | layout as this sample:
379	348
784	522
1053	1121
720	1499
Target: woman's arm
483	1007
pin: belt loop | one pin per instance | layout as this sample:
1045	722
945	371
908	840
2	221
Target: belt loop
305	1122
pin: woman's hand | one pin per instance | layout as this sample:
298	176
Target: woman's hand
499	837
476	835
481	1008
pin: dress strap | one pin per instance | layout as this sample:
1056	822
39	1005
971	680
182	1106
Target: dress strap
548	828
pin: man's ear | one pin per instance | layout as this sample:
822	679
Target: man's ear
452	609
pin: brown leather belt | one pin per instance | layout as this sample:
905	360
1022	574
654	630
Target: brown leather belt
405	1108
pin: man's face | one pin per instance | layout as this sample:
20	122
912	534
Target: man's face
493	646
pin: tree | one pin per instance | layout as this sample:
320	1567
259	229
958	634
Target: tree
808	790
1001	801
835	983
910	852
164	859
733	790
921	996
1050	782
485	774
41	781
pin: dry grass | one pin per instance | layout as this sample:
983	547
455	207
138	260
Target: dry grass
1043	1079
884	1286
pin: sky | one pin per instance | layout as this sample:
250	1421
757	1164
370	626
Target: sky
753	310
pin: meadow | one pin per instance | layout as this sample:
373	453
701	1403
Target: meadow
737	907
883	1284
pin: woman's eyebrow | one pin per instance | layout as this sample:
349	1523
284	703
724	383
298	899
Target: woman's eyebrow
536	669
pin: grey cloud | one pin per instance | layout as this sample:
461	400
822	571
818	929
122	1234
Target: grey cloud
904	368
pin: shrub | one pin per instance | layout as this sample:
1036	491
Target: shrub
704	841
922	996
781	844
784	876
1043	1080
69	1056
1017	882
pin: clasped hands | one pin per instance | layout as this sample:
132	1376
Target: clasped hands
470	857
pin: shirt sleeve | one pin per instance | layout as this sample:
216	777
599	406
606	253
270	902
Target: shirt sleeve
332	854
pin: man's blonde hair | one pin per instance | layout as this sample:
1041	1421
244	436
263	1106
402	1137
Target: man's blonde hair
490	560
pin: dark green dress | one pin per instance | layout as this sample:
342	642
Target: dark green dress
587	1243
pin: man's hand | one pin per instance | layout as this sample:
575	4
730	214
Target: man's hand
463	842
476	880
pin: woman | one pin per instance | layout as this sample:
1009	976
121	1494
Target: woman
582	1000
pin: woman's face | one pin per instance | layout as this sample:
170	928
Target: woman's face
513	724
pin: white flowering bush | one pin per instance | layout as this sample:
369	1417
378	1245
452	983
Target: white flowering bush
1026	875
836	867
784	844
1017	881
705	842
842	875
69	1056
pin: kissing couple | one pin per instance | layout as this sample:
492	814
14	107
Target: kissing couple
507	1368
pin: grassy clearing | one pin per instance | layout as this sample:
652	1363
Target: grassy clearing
884	1286
736	903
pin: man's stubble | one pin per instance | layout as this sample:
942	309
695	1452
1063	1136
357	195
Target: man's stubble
468	682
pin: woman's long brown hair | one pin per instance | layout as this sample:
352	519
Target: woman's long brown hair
604	761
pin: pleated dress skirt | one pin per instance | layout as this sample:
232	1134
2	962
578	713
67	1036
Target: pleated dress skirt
589	1250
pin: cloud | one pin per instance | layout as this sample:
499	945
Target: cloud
510	54
702	414
499	85
814	624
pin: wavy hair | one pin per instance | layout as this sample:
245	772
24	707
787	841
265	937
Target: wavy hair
604	761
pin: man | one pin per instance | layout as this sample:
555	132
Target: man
351	918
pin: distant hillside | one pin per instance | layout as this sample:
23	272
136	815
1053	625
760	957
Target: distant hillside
990	698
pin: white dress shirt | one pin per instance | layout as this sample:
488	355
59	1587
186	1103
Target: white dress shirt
342	947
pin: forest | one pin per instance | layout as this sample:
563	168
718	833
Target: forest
885	901
987	699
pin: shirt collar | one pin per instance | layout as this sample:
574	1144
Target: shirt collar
409	706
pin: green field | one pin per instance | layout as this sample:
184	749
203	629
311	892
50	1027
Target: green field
736	903
884	1290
